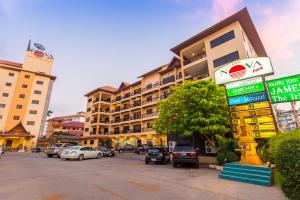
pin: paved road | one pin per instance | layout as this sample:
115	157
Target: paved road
27	176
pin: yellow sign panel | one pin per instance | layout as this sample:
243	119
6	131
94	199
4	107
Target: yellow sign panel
263	127
258	120
265	111
265	134
250	106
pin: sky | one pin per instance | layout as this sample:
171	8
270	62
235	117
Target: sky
104	42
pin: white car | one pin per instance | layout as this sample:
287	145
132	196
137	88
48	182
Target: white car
80	153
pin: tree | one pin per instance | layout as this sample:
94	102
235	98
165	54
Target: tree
195	107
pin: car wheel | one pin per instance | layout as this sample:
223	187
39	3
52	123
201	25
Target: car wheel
99	156
197	165
81	157
164	161
67	158
50	156
120	151
175	165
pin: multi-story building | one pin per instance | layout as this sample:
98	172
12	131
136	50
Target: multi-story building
126	114
25	91
70	124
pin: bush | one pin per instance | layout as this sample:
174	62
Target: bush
226	151
285	152
263	150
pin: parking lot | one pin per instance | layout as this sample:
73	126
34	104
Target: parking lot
34	176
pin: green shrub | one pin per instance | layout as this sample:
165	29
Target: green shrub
263	149
226	151
285	152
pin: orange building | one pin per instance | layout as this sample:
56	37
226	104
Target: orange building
25	91
70	124
126	114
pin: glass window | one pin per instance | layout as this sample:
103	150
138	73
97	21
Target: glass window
11	74
22	96
5	94
27	76
19	106
31	123
226	59
2	105
39	82
8	84
33	112
222	39
91	141
24	86
16	117
0	116
85	142
37	92
35	102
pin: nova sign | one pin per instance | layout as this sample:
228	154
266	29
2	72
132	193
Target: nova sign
243	69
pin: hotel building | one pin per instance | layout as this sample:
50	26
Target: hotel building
126	114
25	90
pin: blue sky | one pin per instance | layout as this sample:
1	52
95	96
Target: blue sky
104	42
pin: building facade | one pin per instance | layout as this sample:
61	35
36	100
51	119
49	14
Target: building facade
126	114
25	91
70	124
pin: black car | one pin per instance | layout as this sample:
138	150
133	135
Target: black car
142	149
127	147
185	154
157	155
107	152
37	150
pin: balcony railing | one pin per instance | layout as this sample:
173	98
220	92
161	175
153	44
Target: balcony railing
115	132
94	111
135	117
104	121
127	95
151	86
195	58
179	76
150	101
167	80
125	119
146	129
94	121
96	100
150	114
105	110
105	100
137	91
126	131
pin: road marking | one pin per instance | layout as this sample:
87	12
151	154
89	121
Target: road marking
146	187
110	192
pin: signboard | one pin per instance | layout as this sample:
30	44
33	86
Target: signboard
243	69
258	120
243	87
251	106
284	89
247	99
264	134
265	111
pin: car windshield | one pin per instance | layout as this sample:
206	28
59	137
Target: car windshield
56	145
183	148
154	151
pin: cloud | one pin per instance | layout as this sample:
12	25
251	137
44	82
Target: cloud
224	8
280	30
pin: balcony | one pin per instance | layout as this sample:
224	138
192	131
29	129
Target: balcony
106	111
151	87
149	101
96	100
105	100
136	92
105	122
118	98
136	131
125	108
116	110
124	119
95	111
196	66
168	80
94	121
115	132
127	131
154	114
146	129
126	96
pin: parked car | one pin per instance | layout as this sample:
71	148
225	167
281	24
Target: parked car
157	155
80	153
106	151
184	154
37	149
142	149
127	147
56	149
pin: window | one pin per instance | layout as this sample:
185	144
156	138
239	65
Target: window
37	92
87	119
222	39
16	117
149	125
19	106
8	84
0	116
22	96
27	76
226	59
31	123
32	112
149	111
24	86
35	102
39	82
5	94
88	110
2	105
89	100
91	141
86	129
85	142
11	74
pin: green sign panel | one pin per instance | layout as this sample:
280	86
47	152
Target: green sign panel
243	87
284	89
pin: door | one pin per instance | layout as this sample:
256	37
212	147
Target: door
8	143
92	152
85	152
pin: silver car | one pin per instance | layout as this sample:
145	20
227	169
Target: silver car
56	149
80	153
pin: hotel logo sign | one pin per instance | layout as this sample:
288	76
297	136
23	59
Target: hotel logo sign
243	69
